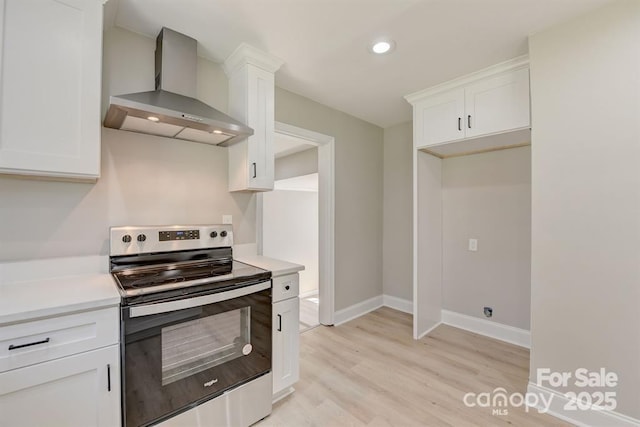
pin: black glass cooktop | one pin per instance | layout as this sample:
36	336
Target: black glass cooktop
141	280
159	276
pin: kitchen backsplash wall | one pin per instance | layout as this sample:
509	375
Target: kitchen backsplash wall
145	179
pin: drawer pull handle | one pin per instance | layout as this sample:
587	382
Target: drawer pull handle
279	323
108	377
15	347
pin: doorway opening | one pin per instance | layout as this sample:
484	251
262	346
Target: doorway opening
295	222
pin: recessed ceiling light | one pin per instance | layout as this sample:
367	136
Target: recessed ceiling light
381	47
153	118
217	131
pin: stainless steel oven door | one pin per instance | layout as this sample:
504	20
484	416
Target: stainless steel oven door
179	353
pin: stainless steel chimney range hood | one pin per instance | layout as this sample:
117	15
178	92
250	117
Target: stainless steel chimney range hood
172	110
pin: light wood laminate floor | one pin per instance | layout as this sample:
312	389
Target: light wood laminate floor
370	372
309	312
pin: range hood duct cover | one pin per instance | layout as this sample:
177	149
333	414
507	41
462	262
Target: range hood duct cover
172	110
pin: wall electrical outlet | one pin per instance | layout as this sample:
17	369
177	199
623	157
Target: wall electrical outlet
227	219
473	245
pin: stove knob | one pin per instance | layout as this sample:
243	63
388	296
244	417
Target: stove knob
223	234
126	238
141	237
213	234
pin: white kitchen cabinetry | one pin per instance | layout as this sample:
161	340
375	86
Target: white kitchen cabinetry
439	118
286	334
252	101
63	370
491	102
50	84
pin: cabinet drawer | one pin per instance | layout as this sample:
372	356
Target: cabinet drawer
27	343
285	287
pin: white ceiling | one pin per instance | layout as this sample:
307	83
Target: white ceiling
324	43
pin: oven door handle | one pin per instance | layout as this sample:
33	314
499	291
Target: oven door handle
166	307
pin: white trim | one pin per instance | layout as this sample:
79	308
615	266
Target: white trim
282	394
357	310
308	294
247	54
414	236
396	303
428	331
502	67
326	217
306	134
510	334
590	417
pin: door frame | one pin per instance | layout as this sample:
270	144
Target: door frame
326	215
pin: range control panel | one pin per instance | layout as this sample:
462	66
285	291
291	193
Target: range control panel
139	240
178	235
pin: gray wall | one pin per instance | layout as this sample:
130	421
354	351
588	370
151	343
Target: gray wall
145	179
397	277
488	197
585	272
358	193
297	164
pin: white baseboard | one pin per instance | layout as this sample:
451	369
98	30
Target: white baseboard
396	303
586	418
307	294
495	330
425	333
357	310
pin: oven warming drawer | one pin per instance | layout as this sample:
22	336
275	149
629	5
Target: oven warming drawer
240	407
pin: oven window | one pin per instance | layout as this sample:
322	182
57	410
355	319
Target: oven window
197	345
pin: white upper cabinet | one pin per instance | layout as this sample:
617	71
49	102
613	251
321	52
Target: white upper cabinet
50	84
497	104
441	116
490	102
252	101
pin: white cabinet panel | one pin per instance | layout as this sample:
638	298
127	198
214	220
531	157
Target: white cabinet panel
50	83
262	119
497	104
33	342
81	390
286	345
285	287
478	106
439	118
252	101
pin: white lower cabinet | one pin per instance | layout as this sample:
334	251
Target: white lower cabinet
286	345
79	390
61	371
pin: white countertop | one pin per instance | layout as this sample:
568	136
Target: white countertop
44	288
276	266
